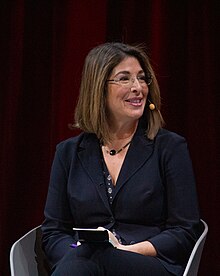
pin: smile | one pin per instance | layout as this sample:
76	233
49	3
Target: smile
135	102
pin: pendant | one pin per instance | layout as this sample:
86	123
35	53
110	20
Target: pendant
112	152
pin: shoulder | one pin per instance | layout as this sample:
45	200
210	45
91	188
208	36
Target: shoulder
173	152
168	141
70	142
166	136
73	144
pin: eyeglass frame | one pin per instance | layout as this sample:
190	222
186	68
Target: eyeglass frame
148	81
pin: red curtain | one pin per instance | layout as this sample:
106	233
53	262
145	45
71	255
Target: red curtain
42	48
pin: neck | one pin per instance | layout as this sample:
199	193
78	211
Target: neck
121	132
120	135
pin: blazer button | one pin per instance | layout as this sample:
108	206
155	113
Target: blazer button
132	242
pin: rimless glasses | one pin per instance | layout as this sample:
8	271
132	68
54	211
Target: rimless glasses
128	81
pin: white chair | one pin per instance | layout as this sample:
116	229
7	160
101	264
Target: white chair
192	266
28	259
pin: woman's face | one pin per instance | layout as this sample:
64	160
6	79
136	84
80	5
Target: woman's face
126	102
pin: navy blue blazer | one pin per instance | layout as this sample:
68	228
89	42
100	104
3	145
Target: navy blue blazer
155	197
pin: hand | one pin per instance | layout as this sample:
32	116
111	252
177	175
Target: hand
145	248
113	240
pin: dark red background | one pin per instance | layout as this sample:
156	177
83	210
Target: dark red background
42	49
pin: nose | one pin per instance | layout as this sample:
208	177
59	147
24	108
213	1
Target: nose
135	85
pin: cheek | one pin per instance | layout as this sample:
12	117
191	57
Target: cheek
146	92
115	96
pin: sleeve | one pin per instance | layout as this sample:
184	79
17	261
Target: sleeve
182	227
57	226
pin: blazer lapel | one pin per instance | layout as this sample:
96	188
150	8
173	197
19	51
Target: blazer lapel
139	152
90	156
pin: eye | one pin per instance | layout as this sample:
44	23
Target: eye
124	79
142	78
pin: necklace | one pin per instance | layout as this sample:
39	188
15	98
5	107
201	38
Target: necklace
113	152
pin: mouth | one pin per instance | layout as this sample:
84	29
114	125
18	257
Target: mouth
134	101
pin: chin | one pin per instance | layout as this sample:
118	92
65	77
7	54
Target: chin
136	116
137	113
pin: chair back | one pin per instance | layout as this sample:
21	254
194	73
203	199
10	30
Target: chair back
27	257
192	266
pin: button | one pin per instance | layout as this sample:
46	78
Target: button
109	190
109	177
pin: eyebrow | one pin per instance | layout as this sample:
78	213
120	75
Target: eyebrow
127	72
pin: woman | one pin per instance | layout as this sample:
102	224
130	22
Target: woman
124	173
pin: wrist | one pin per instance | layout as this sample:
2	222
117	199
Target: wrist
122	247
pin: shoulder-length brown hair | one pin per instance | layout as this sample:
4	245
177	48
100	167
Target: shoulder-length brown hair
90	112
